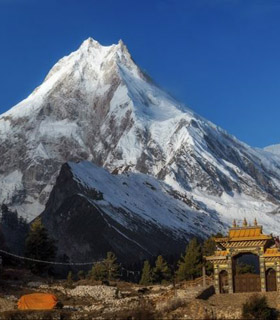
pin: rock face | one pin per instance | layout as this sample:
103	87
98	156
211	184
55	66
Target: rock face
91	212
97	105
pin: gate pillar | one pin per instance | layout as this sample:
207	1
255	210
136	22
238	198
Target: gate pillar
278	276
262	274
230	277
216	279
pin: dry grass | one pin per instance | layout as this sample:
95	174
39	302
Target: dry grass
144	311
29	315
171	305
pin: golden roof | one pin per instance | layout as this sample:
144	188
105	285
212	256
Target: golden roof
218	255
244	233
221	253
272	252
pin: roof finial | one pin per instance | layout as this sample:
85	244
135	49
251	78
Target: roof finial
255	222
234	223
244	223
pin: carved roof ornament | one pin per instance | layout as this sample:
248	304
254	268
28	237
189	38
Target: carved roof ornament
245	224
255	222
234	224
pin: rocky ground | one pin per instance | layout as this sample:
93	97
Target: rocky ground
120	300
82	301
85	299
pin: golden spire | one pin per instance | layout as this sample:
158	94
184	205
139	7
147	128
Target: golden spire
244	223
255	222
234	223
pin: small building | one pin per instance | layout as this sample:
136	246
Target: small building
250	244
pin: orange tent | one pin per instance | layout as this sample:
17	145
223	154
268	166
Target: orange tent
37	301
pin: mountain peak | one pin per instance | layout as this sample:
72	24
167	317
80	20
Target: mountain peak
95	51
90	42
123	48
121	42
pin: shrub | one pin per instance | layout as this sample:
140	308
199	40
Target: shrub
256	307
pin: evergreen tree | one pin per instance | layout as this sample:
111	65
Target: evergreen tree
2	239
161	270
208	249
209	246
98	272
111	266
9	218
107	269
39	246
14	230
147	274
4	208
70	278
189	266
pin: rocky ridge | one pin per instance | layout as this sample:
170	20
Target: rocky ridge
91	212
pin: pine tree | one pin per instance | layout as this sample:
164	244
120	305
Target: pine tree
161	270
208	249
189	266
209	246
111	266
9	218
147	274
4	209
14	230
39	246
70	278
98	272
2	239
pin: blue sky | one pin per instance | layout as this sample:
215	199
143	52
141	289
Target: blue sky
219	57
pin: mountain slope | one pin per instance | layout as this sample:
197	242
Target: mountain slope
273	149
97	105
91	211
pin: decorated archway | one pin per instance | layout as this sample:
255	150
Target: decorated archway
271	284
246	272
250	243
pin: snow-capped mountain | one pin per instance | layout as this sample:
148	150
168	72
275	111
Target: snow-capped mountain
275	148
97	105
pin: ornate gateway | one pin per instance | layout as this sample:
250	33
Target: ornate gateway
246	241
